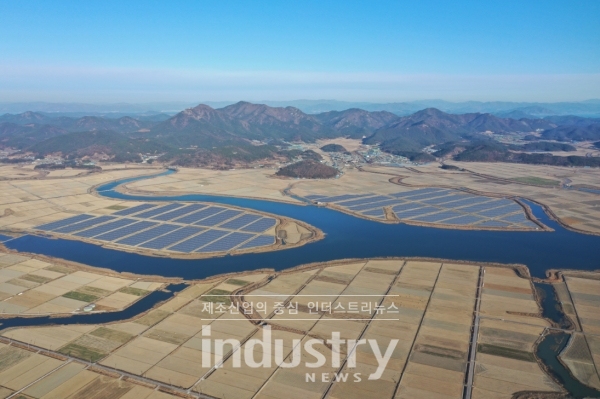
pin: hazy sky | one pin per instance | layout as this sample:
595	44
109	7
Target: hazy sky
143	51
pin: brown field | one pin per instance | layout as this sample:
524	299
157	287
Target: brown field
435	304
32	286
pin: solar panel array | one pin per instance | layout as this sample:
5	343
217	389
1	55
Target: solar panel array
82	225
174	227
134	209
259	241
64	222
178	212
157	211
436	205
198	241
260	225
172	238
218	218
94	231
146	235
125	231
226	243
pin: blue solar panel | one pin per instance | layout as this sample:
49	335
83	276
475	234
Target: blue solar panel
314	196
94	231
260	225
157	211
376	213
343	197
492	223
172	238
134	209
82	225
125	231
426	196
259	241
420	191
148	234
240	222
204	213
407	207
377	204
443	200
503	210
452	200
63	222
226	243
363	200
471	201
416	212
481	207
218	218
437	217
198	241
517	218
530	224
465	219
178	212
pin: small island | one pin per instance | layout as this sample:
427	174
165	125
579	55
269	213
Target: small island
308	169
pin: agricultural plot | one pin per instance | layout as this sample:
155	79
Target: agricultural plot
193	228
435	206
582	354
33	287
508	331
27	374
427	307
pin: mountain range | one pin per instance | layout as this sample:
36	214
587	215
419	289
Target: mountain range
504	109
245	123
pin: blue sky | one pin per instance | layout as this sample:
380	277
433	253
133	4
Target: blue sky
142	51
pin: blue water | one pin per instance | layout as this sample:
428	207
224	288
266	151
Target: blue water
144	304
345	237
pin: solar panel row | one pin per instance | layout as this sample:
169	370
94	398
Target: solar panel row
260	225
481	207
408	194
343	197
157	211
226	243
178	212
94	231
406	207
258	241
376	213
503	210
444	199
465	219
63	222
436	217
363	200
148	234
204	213
218	218
240	221
198	241
493	223
172	238
134	209
82	225
416	212
516	218
125	231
